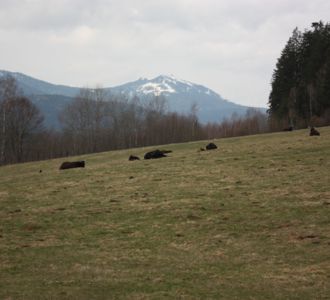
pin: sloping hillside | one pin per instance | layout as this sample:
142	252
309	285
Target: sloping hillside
249	220
33	86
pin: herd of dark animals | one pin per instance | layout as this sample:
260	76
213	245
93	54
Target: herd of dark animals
149	155
162	153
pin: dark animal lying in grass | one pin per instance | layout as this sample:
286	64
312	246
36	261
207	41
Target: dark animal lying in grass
154	154
132	157
73	164
313	132
290	128
211	146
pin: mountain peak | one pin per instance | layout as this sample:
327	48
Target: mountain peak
165	85
167	76
157	86
171	79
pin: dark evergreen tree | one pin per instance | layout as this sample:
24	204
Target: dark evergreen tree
301	80
285	80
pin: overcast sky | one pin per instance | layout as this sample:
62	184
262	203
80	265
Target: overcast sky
230	46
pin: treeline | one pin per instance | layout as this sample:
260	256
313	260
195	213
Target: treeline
253	122
300	94
96	122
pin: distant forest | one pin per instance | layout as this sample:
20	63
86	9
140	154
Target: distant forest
95	121
300	94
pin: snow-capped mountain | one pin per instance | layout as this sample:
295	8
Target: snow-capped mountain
180	94
161	85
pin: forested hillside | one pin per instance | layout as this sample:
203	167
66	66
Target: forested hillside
300	94
95	121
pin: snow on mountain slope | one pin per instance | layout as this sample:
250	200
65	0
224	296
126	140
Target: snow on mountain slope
181	95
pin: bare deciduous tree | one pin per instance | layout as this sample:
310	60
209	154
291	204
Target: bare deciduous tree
22	120
85	118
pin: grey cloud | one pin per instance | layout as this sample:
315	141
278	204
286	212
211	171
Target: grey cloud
231	46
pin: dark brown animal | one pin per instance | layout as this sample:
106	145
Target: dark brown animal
313	132
73	164
154	154
132	157
211	146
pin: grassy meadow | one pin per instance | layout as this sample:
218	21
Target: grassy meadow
250	220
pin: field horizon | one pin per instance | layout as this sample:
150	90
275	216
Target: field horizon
249	220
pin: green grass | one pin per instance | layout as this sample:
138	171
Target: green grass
250	220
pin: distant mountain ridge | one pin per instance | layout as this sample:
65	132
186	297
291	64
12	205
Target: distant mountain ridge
180	94
33	86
